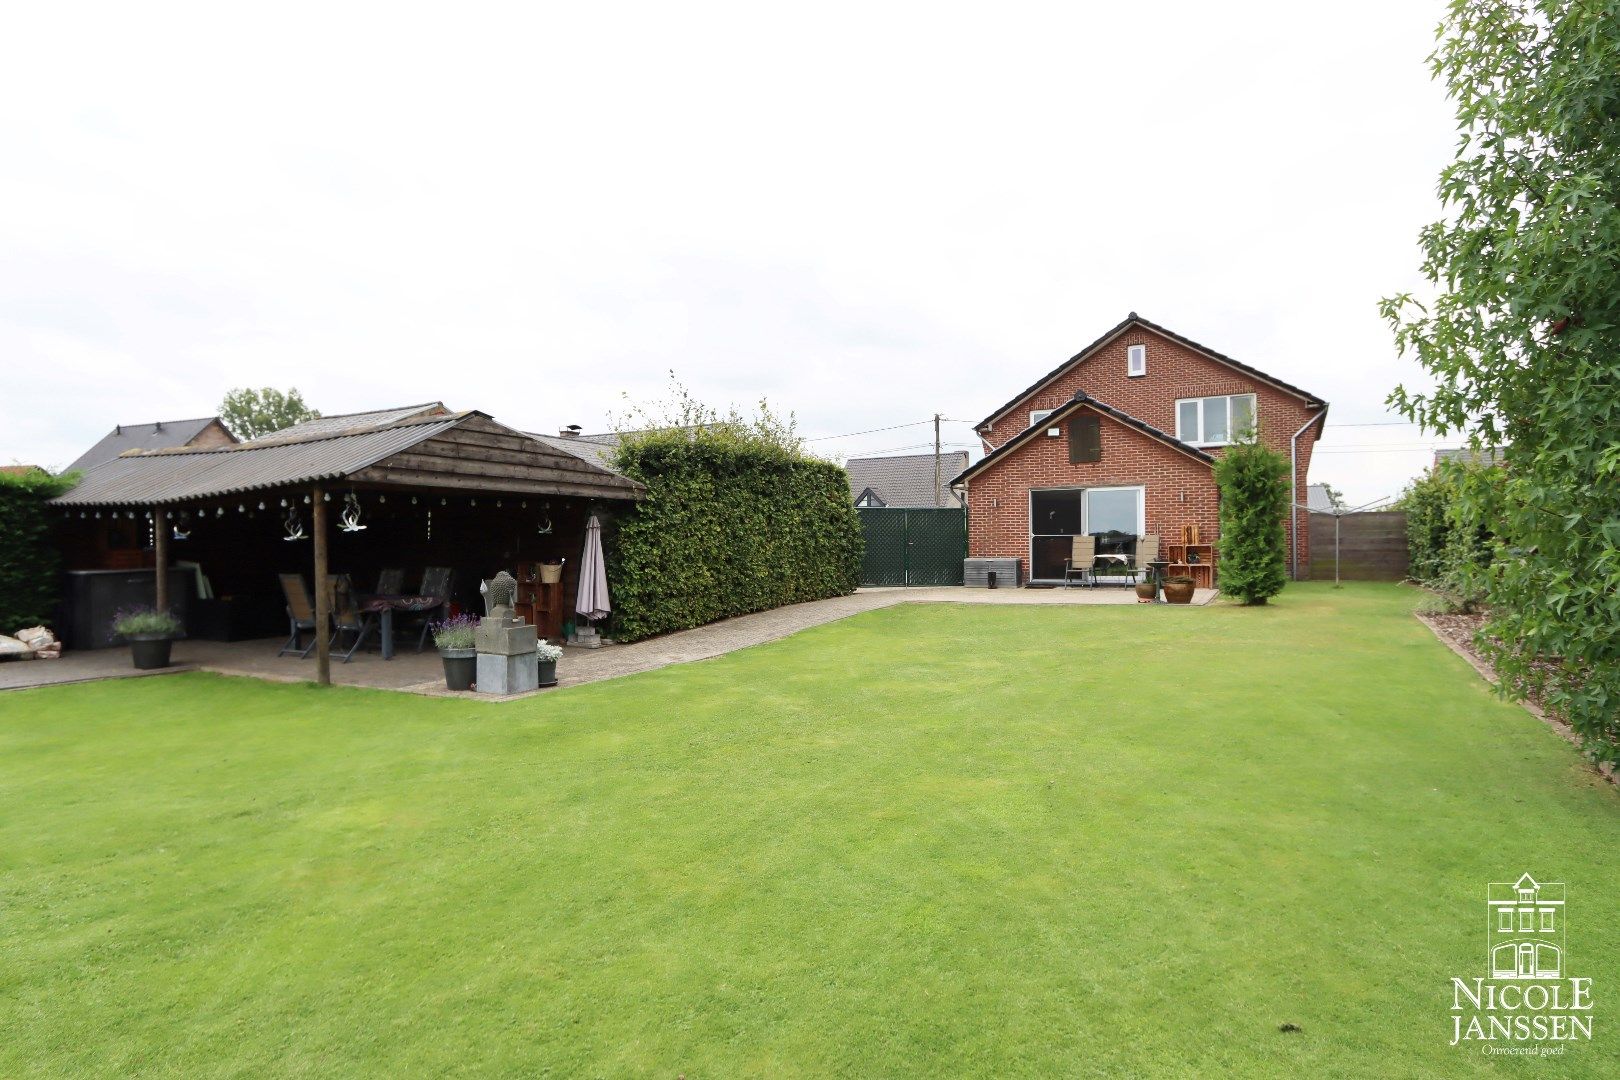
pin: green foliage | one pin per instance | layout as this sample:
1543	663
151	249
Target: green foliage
1521	337
29	564
253	414
144	622
1253	481
737	518
1449	544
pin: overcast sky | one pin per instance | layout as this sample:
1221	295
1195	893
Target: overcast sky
867	213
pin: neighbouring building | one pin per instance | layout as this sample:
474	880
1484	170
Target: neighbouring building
162	435
1120	441
906	480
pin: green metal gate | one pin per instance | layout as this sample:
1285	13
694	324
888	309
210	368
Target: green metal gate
913	546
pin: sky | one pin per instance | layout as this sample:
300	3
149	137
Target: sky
865	213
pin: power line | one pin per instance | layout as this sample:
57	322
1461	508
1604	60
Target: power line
891	427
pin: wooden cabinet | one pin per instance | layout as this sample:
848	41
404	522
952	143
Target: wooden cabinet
540	602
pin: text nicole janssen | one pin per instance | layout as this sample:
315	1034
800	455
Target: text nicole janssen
1521	1012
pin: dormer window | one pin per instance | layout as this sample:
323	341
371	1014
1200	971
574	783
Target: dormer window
1135	360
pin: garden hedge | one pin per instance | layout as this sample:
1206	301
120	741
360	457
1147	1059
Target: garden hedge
730	525
29	563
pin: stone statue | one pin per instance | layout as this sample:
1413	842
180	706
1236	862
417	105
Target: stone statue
508	650
502	592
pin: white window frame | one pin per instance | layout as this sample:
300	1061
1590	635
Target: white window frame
1085	513
1037	415
1135	361
1197	437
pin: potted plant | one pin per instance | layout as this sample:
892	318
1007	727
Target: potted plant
1146	590
150	634
454	638
549	655
1178	589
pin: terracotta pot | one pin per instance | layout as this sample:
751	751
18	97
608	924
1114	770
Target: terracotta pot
1146	590
1178	592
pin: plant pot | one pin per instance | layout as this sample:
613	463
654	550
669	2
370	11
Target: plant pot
1178	592
548	673
460	668
1146	590
550	573
150	653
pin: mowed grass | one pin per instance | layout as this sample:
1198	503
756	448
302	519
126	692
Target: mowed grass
929	840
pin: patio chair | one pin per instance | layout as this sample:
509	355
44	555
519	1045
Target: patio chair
300	615
1147	551
435	582
391	582
346	615
1082	560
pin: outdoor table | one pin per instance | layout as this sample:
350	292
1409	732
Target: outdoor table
1156	570
386	605
1121	562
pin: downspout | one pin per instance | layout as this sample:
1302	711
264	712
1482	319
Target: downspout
1293	492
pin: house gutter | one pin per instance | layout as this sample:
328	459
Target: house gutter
1293	491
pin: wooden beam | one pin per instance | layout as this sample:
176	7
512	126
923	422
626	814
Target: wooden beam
467	466
323	595
418	479
160	558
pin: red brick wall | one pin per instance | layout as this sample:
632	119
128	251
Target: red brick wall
1173	372
1180	489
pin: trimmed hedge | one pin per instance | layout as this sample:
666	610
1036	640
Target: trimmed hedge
1253	481
1447	549
730	525
29	563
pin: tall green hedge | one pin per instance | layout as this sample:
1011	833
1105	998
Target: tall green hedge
29	564
1448	537
1253	481
730	525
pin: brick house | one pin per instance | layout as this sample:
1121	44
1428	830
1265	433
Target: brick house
1120	441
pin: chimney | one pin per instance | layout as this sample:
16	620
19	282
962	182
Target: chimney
570	432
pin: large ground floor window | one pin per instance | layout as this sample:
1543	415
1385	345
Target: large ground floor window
1115	515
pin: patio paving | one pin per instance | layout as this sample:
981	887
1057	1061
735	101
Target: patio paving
421	673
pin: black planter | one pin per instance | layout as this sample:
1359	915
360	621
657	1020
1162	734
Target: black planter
548	673
150	653
460	668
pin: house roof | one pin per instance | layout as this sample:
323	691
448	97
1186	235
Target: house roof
317	453
345	423
155	436
1317	499
1133	319
1073	405
21	470
1468	456
906	479
598	450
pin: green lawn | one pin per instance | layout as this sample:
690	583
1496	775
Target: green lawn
929	840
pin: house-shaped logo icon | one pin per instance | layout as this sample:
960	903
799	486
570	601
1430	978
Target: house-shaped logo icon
1526	929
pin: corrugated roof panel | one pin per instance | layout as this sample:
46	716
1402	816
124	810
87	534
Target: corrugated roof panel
182	476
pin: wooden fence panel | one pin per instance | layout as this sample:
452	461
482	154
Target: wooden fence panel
1372	546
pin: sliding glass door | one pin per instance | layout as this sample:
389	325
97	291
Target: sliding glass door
1058	515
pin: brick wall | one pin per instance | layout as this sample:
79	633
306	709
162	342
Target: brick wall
1173	372
1180	489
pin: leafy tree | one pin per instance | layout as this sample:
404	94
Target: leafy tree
28	559
1253	481
1523	331
252	414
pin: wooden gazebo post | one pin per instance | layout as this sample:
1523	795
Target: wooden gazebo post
323	614
160	558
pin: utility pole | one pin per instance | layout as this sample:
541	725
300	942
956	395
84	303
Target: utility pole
936	460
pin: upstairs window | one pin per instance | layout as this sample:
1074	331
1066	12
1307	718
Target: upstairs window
1214	421
1038	415
1136	360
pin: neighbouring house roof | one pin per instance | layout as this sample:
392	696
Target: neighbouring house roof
342	423
1316	498
21	470
598	450
906	479
1468	456
373	450
1074	405
156	436
1133	319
